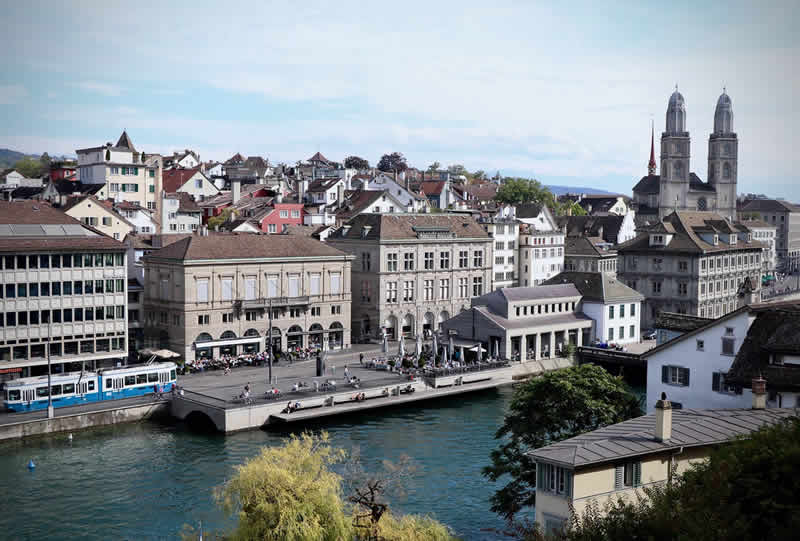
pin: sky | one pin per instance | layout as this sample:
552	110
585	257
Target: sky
563	92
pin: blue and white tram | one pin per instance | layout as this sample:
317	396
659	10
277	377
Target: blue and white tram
128	381
29	394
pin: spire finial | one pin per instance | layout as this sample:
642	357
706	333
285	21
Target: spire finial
676	87
651	166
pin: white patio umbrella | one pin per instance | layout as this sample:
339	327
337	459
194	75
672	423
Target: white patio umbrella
419	346
435	346
385	344
479	349
401	349
451	348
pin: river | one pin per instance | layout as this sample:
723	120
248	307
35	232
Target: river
146	480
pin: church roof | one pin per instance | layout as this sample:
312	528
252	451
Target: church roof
648	184
125	142
697	185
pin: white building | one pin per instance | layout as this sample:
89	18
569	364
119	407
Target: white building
143	220
615	308
382	182
763	232
541	245
191	181
180	213
12	177
691	368
504	229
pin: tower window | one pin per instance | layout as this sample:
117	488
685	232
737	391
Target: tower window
701	204
679	170
726	170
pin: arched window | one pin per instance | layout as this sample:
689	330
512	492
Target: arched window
702	204
726	170
203	337
679	170
251	332
227	335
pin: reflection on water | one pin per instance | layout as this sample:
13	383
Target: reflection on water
145	481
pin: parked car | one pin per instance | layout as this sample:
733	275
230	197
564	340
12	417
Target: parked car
649	334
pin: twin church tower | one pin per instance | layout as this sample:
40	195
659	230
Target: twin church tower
677	188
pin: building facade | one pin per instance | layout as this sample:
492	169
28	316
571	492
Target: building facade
541	245
413	271
785	217
209	295
64	293
124	173
504	229
691	263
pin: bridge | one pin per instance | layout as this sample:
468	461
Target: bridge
586	354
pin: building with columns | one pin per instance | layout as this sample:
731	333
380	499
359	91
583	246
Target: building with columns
209	295
524	323
676	187
413	271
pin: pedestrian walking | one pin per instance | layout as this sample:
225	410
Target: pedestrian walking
346	373
333	370
361	358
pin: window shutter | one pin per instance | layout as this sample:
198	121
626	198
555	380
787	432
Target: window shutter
686	375
619	477
637	474
665	374
715	381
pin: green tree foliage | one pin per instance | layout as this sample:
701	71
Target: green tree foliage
551	407
354	162
747	490
514	191
570	208
217	221
289	493
458	169
480	174
435	166
45	160
393	162
29	167
293	493
108	154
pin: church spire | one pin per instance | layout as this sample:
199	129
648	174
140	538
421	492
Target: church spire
651	167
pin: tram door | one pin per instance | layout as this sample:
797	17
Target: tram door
28	395
163	377
83	388
119	384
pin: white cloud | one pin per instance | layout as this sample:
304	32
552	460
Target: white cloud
12	94
106	89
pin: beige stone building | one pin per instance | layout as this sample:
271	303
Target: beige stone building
210	294
619	460
99	214
690	263
413	271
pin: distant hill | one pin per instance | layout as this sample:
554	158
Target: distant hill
561	190
9	157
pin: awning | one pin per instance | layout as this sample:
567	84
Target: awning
230	342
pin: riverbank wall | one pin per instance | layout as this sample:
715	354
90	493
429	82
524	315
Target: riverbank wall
80	421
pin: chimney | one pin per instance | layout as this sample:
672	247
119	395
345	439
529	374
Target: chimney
663	419
759	386
236	190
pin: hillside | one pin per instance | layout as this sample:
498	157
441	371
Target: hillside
9	157
561	190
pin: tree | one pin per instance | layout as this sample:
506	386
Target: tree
216	221
569	208
29	167
435	166
108	154
45	160
554	406
458	169
354	162
393	162
480	174
746	490
522	190
289	493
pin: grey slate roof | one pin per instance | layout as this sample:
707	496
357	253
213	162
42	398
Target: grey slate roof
635	437
769	205
596	286
680	322
516	294
568	318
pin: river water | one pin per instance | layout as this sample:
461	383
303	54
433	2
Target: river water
146	480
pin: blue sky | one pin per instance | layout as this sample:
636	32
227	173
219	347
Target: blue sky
563	92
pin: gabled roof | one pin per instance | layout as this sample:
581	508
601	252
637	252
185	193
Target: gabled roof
432	187
529	210
775	331
323	184
409	227
769	205
319	158
635	437
361	201
186	202
220	246
596	286
673	321
697	185
607	226
236	159
125	142
697	330
648	185
173	179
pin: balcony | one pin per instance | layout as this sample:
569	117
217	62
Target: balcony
274	302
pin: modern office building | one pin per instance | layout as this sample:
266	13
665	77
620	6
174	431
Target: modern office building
63	293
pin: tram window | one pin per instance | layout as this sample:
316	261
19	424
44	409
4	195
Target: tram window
130	380
172	374
56	389
152	377
41	392
141	378
91	386
13	395
69	388
109	383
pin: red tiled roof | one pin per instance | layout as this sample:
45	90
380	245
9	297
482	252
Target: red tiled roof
32	212
431	187
172	179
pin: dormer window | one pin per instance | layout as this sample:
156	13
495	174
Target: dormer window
657	240
732	239
716	240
